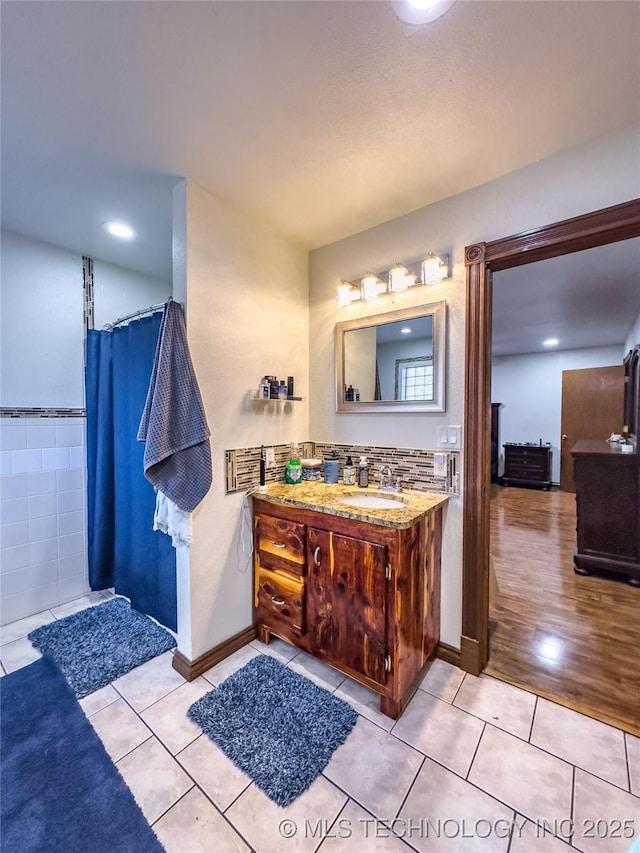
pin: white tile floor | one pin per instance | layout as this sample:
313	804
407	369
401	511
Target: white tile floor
472	765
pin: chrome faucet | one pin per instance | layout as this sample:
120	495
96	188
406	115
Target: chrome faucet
387	481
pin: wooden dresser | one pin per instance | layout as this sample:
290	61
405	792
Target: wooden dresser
527	465
608	510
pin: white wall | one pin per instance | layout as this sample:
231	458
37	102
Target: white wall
633	338
42	325
530	390
118	292
247	315
600	174
43	532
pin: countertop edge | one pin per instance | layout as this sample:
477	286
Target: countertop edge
370	516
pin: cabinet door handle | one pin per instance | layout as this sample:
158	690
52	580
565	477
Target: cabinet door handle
277	601
278	545
316	555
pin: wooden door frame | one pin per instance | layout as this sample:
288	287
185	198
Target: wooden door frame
598	228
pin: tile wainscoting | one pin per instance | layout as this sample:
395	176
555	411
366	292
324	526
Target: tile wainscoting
43	545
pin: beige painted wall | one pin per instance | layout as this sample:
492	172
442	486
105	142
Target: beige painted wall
246	295
605	172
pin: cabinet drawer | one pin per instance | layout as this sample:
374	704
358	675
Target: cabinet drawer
280	600
531	469
281	545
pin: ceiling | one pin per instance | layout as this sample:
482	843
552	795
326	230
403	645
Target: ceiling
319	118
587	299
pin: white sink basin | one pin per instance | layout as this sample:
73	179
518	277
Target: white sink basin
369	501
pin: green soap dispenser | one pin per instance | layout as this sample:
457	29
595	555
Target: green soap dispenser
293	471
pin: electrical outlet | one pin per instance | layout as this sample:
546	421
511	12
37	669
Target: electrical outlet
270	457
439	464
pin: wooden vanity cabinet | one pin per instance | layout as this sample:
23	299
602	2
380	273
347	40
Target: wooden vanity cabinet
362	597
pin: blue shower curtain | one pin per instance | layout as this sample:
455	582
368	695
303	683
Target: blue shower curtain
124	550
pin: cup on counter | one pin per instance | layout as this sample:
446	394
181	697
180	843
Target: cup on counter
331	470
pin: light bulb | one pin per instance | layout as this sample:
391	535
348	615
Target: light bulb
345	293
370	285
119	229
398	278
423	4
431	270
418	12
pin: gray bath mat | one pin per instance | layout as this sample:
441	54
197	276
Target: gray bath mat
275	725
101	643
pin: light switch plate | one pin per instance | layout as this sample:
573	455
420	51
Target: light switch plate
443	436
455	437
269	457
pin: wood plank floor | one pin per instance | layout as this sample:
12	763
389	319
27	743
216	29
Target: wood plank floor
571	638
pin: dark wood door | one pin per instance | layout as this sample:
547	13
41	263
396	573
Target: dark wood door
346	602
592	408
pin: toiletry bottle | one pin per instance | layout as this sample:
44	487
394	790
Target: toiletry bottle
293	471
349	473
274	388
290	386
265	390
363	473
282	390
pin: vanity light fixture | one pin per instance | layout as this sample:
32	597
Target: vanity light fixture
399	278
550	342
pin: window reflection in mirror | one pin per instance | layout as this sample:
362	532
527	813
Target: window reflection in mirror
393	361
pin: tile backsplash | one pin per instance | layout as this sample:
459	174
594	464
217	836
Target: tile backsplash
43	548
414	466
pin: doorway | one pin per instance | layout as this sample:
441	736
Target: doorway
602	227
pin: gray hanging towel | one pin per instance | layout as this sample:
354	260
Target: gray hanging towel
177	455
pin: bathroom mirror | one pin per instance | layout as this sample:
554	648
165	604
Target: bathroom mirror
393	362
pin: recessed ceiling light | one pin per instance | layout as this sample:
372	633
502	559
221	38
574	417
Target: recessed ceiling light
119	229
550	342
420	11
405	331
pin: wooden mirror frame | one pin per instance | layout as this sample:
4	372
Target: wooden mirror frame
610	225
438	312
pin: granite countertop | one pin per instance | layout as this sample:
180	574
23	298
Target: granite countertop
321	497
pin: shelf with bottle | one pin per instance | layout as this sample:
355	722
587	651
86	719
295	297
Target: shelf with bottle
273	389
256	395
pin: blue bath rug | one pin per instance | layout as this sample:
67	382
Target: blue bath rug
99	644
276	726
60	791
